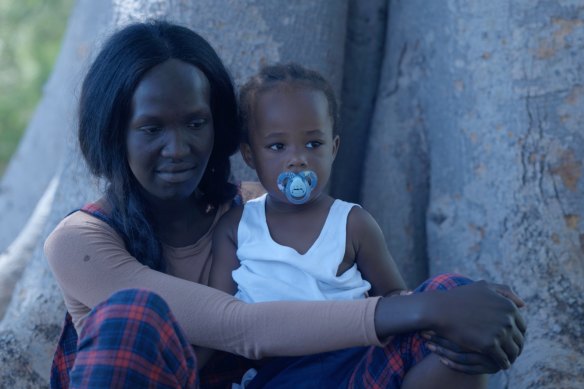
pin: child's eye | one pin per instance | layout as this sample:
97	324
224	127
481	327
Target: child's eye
197	123
313	144
276	146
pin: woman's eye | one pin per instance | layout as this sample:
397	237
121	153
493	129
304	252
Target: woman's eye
150	129
276	146
196	124
313	144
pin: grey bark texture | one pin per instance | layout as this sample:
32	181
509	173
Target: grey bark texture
366	26
395	175
462	136
502	98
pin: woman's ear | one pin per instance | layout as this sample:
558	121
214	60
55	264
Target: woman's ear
247	155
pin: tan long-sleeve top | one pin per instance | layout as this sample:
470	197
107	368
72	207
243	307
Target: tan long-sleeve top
90	262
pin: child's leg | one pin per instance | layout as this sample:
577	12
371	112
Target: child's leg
133	340
391	366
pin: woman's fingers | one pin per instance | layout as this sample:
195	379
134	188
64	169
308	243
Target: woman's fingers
520	323
519	339
512	350
470	363
506	291
467	369
499	355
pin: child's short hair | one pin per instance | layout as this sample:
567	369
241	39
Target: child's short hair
272	76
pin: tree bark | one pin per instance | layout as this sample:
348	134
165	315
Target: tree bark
502	95
366	29
395	183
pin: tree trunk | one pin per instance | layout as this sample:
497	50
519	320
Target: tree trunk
366	28
501	93
395	184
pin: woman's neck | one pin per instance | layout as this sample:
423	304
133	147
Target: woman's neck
182	222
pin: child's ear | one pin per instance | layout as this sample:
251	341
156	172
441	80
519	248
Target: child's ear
336	144
247	155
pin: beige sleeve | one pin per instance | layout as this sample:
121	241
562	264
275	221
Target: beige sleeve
90	263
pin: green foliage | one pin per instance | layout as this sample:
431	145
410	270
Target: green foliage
30	37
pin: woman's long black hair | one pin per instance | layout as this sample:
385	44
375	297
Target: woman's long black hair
104	113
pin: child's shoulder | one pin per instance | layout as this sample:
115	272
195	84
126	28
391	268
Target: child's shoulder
360	219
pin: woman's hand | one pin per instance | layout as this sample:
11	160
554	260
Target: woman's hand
465	361
506	291
456	358
479	318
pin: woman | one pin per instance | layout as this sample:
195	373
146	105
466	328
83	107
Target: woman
158	122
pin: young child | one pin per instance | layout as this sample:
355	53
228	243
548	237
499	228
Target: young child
296	242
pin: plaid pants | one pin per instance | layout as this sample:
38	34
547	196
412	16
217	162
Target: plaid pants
386	367
132	340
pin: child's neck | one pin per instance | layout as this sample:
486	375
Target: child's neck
297	226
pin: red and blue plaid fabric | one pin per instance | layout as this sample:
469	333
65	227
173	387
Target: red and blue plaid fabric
64	355
98	361
385	367
132	340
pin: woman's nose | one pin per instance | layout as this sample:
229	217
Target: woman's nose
175	144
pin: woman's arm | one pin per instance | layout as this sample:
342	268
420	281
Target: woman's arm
90	263
225	251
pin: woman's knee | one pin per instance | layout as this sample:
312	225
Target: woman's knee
443	281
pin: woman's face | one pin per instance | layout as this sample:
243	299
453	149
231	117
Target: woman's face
170	132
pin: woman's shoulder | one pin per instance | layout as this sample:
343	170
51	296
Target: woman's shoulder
87	221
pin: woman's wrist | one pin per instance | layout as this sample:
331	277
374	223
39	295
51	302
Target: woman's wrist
404	313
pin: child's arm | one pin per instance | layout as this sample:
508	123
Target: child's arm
371	254
224	251
224	262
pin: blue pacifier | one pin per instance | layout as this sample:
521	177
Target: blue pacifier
297	186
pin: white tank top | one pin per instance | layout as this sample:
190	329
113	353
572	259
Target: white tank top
270	271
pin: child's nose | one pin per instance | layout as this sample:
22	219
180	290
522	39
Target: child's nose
297	161
176	144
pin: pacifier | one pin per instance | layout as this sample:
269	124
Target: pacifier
297	186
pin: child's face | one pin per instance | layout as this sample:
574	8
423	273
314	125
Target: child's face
291	130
